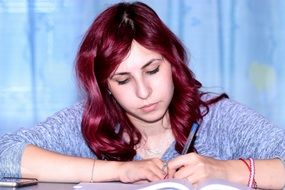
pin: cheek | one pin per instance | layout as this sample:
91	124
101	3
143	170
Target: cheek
120	94
124	98
164	84
167	89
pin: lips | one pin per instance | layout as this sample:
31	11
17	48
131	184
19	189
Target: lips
149	107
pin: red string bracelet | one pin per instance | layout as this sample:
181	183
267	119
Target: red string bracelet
251	167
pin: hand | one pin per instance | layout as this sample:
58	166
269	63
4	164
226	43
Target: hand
142	170
196	168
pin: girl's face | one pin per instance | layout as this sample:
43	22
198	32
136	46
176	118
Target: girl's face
142	84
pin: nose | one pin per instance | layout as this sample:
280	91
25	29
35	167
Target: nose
143	89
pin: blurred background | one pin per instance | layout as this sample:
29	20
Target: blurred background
236	46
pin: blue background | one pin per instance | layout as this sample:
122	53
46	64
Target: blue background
236	46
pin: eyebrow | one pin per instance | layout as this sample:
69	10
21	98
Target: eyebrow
144	66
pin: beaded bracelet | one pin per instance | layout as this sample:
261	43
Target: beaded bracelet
251	167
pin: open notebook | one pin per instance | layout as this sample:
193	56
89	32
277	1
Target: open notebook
171	184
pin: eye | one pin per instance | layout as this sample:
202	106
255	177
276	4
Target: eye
121	82
153	71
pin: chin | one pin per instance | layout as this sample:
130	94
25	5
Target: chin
153	117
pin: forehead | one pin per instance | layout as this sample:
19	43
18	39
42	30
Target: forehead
137	57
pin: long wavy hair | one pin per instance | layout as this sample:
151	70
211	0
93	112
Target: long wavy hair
105	126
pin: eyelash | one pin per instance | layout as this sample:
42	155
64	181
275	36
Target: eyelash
123	82
148	72
153	71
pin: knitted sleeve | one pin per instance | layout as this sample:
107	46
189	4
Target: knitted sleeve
231	131
59	133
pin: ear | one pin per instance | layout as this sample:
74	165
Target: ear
108	88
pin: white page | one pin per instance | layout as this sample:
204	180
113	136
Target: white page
169	184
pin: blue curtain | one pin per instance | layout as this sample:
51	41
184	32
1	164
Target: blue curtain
237	47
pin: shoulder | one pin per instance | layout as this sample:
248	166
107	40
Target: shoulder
231	128
225	103
229	117
228	110
73	110
66	115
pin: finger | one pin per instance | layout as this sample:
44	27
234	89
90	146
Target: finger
146	175
163	166
182	160
159	172
155	170
184	172
154	175
192	173
165	169
171	173
196	178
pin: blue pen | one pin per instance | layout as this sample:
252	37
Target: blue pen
190	138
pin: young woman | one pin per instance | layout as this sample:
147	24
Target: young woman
141	103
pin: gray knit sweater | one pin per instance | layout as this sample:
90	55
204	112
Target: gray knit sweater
229	131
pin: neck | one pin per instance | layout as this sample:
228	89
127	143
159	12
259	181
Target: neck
156	137
149	129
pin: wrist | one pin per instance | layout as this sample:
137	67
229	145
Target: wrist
104	171
117	168
236	172
120	171
251	168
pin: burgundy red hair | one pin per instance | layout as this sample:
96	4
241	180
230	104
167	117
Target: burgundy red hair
105	45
